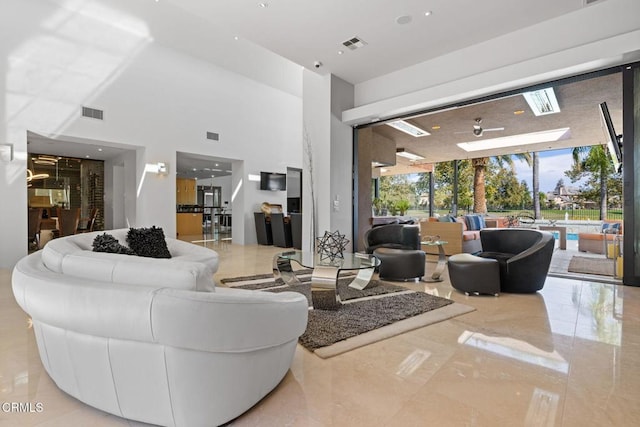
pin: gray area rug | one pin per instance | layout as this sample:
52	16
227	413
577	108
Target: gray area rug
380	311
591	265
327	327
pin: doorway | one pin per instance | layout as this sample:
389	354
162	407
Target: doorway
208	207
489	129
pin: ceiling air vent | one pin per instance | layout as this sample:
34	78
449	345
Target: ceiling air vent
92	113
588	2
354	43
213	136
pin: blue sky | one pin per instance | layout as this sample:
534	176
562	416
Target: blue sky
553	163
552	167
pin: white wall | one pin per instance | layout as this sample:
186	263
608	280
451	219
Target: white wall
595	37
325	97
341	160
316	91
153	97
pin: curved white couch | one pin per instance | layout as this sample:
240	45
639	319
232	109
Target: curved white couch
135	337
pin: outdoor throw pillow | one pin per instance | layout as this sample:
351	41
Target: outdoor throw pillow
148	242
611	228
475	222
107	243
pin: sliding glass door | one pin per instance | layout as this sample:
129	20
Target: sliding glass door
631	152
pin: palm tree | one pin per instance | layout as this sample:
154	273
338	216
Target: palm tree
479	169
536	185
594	159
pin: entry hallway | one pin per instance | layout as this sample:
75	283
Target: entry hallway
567	356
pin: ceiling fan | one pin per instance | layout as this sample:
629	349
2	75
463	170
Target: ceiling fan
478	130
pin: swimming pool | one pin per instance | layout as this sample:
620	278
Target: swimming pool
570	236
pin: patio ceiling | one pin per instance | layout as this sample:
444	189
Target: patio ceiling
578	103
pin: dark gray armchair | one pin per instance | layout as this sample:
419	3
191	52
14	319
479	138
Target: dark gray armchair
392	236
524	256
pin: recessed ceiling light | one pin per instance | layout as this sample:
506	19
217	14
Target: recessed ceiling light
263	5
340	52
194	169
87	156
99	149
428	13
408	155
236	38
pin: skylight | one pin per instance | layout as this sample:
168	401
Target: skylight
408	128
517	140
542	102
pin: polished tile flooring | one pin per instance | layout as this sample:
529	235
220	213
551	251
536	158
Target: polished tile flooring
566	356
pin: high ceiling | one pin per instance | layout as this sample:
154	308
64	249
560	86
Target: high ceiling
397	33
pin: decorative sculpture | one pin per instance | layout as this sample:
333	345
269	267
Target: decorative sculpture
331	245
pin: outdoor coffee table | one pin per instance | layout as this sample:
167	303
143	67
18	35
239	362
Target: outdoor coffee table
442	260
324	279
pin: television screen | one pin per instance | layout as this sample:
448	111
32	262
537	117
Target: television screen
611	138
273	181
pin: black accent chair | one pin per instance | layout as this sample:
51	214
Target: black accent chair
281	231
523	255
392	236
398	248
263	229
296	229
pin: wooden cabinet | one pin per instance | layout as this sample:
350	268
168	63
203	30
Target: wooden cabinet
186	191
189	224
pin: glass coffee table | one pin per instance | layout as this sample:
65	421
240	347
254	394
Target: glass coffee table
442	260
324	279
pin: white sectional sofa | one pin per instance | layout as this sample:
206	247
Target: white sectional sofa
153	340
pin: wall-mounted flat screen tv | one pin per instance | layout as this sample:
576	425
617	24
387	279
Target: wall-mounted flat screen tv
273	181
612	139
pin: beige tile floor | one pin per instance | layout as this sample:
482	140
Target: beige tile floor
567	356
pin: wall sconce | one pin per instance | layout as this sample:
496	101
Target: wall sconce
160	168
6	152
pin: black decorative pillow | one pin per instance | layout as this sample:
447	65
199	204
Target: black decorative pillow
107	243
148	242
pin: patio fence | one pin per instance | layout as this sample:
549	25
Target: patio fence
551	214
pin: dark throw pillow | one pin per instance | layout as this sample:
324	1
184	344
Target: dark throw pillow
107	243
148	242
